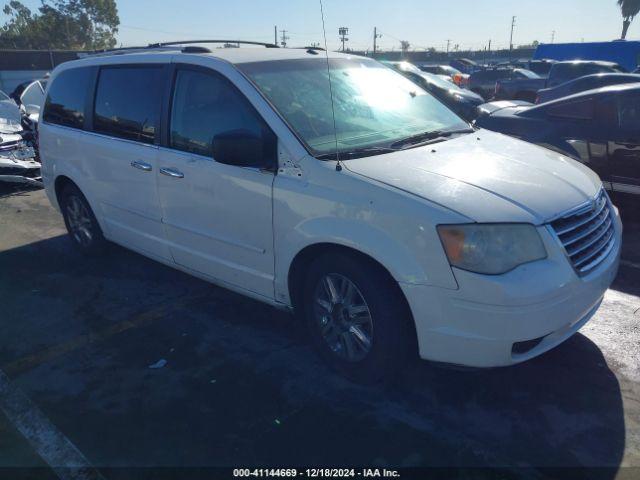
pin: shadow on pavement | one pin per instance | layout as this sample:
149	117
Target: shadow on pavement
242	387
13	189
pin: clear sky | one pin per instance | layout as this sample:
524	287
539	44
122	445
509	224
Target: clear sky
424	23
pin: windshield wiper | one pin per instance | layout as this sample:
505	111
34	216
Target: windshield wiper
427	137
357	153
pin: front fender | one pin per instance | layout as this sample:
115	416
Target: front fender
390	252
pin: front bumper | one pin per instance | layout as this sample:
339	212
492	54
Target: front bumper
501	320
18	165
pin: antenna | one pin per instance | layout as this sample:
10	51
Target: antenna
333	108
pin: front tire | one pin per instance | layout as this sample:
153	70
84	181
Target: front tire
358	320
81	223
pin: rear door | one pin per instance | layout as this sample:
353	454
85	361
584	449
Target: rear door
123	153
624	147
217	217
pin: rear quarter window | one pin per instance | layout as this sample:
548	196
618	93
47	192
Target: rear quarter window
66	98
582	109
127	102
629	115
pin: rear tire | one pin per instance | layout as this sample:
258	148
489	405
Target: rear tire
358	321
81	223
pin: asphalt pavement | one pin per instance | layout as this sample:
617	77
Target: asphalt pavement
121	363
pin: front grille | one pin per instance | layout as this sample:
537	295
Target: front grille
587	234
20	172
7	146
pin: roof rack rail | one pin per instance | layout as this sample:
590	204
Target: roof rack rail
177	45
192	42
116	51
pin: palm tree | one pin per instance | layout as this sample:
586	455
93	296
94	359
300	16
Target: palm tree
630	8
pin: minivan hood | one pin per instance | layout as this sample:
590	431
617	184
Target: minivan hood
487	177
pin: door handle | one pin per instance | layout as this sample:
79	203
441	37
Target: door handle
170	172
145	167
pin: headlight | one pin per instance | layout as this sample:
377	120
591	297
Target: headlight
491	249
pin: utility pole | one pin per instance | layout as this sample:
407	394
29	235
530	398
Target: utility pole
489	46
284	38
448	45
343	32
275	35
553	36
376	36
513	25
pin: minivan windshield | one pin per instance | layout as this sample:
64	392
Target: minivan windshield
374	107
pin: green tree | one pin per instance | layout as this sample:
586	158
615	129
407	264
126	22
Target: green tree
630	8
61	24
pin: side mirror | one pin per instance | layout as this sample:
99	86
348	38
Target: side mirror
241	148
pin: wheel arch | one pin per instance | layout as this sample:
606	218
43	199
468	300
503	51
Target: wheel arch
304	258
61	182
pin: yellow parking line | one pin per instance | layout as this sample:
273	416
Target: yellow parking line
27	363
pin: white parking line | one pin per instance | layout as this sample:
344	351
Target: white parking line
52	446
630	264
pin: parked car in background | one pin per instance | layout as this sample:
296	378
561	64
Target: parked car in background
589	82
519	88
30	97
483	82
541	67
461	101
10	117
18	163
465	65
563	72
379	216
598	127
459	78
523	85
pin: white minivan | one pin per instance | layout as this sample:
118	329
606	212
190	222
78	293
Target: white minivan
331	185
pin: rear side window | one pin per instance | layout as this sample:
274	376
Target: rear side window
127	103
66	99
205	105
583	84
575	110
562	72
629	114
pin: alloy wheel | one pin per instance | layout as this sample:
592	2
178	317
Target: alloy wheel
80	222
343	317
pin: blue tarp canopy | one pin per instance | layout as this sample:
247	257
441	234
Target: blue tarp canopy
624	53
